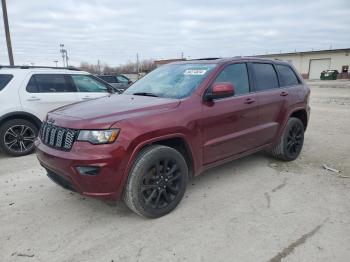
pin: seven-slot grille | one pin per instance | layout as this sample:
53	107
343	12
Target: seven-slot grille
57	137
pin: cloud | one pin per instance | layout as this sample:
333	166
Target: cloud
114	31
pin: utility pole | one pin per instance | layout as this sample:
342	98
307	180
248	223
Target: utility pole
7	32
137	63
64	54
66	57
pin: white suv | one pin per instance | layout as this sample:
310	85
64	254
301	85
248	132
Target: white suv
28	93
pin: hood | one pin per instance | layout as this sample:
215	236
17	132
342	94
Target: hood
104	112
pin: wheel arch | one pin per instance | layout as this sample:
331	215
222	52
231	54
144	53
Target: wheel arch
174	141
300	114
21	115
177	141
181	145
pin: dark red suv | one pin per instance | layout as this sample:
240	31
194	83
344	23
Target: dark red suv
171	125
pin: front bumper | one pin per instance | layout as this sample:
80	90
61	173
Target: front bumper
110	159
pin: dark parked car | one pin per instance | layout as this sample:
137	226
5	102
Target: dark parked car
171	125
119	82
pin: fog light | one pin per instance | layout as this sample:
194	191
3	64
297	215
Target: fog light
88	170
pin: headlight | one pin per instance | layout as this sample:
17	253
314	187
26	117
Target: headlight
98	136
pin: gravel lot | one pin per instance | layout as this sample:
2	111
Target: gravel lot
253	209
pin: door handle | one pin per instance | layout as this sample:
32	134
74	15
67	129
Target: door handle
86	98
249	101
283	93
33	98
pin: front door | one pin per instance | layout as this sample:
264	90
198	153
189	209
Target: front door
89	87
229	124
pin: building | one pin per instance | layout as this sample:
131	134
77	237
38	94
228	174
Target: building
167	61
310	64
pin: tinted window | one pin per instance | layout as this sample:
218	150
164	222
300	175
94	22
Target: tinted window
109	79
32	86
48	83
4	80
265	76
287	76
86	83
122	79
237	75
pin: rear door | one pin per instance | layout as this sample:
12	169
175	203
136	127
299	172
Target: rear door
42	93
228	124
272	101
88	87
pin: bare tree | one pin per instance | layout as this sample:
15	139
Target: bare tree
145	66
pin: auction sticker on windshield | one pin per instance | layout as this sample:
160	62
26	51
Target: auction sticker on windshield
195	72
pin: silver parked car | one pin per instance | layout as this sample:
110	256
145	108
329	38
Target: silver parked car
120	82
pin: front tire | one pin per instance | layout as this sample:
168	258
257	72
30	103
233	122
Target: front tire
157	181
17	137
291	141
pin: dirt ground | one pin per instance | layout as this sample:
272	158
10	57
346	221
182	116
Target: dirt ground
252	209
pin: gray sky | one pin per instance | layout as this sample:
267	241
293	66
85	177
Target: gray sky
114	31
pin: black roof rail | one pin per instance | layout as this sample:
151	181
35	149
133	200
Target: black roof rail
207	58
33	67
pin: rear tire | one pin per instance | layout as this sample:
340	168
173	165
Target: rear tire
17	137
291	141
157	181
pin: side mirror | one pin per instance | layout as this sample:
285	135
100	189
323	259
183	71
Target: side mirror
220	90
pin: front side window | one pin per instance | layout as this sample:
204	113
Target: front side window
265	76
4	80
48	83
237	75
171	81
287	76
87	83
122	79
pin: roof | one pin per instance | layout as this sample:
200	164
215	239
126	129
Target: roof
307	52
41	69
35	67
227	59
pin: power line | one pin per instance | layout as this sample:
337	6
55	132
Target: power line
7	32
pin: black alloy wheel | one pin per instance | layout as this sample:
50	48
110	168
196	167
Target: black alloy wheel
161	183
291	142
157	182
295	139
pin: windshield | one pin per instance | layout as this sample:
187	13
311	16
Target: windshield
171	81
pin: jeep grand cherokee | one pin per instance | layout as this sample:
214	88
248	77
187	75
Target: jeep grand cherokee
171	125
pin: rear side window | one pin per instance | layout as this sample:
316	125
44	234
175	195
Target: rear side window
48	83
4	80
237	75
287	76
265	76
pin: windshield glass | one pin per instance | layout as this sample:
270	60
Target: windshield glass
171	81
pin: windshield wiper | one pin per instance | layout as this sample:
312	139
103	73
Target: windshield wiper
144	94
